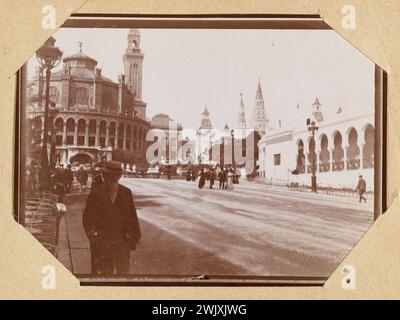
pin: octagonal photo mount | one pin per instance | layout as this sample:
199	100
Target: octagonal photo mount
250	151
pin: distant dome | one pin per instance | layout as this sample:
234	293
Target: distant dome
79	56
79	60
160	120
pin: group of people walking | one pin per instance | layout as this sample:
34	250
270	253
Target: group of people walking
58	180
226	177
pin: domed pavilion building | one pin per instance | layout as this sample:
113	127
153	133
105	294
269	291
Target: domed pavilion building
96	118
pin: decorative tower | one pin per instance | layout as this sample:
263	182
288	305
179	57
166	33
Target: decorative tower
316	110
241	123
227	131
259	119
133	64
205	121
204	136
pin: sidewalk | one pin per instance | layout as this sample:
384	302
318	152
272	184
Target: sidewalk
158	250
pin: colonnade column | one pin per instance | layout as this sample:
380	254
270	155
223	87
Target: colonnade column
317	154
87	134
76	134
64	136
124	139
115	146
107	134
97	133
362	144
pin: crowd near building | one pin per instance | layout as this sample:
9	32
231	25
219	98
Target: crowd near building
94	117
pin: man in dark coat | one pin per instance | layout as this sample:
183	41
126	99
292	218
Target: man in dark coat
211	175
221	178
361	187
111	223
82	177
68	178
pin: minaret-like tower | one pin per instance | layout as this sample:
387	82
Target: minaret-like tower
133	64
259	119
241	123
316	110
204	138
205	121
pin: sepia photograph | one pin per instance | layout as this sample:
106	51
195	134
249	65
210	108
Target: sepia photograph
199	154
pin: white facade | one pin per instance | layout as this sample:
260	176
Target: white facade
344	149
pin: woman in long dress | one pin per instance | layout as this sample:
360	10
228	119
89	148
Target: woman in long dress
230	180
202	179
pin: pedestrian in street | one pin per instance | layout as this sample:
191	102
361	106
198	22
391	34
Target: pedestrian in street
111	224
222	179
219	176
59	187
361	187
211	175
168	169
97	181
229	184
68	178
202	180
82	177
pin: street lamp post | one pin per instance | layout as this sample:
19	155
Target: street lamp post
48	57
210	150
52	114
312	128
233	149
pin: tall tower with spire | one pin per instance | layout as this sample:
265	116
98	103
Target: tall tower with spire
133	64
205	121
241	123
259	119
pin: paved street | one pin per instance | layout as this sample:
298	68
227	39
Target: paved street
252	230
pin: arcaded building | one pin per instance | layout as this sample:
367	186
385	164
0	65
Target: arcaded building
96	118
343	148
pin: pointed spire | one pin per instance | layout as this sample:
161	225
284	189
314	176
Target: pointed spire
317	113
205	112
226	127
80	43
316	102
259	94
241	122
259	120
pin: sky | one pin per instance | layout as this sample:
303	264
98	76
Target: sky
187	69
